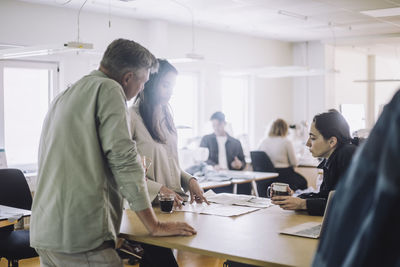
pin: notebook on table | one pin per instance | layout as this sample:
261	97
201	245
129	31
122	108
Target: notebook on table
311	229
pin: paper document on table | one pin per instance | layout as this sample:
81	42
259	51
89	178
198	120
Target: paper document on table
12	214
240	200
237	174
216	209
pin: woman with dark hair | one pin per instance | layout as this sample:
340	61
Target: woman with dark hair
153	129
329	139
281	152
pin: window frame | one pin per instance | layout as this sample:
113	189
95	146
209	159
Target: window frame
195	108
52	67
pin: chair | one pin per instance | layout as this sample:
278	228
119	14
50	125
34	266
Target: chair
262	163
15	192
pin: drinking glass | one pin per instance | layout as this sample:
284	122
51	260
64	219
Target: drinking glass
146	162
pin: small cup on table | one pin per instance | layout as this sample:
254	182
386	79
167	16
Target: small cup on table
166	202
277	189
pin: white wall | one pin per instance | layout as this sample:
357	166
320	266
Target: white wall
386	68
352	66
344	65
273	99
30	24
310	94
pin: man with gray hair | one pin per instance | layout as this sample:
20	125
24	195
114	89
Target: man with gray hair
88	163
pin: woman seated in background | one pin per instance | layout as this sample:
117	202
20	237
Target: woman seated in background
329	138
153	129
281	152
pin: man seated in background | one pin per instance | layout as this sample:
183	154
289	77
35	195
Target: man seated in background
225	152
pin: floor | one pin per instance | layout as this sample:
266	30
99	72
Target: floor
185	259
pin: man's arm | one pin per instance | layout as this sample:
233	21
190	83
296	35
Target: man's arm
205	142
118	148
240	156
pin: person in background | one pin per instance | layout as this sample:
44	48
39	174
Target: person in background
225	152
363	221
153	129
88	162
281	152
329	139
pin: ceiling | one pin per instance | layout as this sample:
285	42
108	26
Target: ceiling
334	21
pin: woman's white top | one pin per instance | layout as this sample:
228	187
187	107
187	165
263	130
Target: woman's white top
165	169
280	150
222	161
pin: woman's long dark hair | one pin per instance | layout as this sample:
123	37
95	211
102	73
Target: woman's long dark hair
332	123
150	108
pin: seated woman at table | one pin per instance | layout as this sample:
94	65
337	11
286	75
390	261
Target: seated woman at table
281	152
330	139
153	129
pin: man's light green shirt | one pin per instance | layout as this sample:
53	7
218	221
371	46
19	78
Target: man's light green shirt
87	164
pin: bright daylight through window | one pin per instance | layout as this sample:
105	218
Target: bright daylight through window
184	106
26	92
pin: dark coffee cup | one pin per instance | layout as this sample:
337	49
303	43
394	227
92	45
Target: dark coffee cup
166	202
277	189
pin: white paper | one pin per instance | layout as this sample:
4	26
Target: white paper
216	209
240	200
12	214
237	175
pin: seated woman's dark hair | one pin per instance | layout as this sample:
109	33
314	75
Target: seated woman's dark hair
332	123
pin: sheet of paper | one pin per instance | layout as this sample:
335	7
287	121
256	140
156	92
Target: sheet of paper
237	174
217	209
12	214
240	200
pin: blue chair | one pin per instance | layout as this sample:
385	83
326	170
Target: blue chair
262	163
15	192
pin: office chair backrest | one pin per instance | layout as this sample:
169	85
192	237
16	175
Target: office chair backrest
14	190
261	162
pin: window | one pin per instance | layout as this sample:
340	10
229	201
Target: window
26	89
184	106
235	103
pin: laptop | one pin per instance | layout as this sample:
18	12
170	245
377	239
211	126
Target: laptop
311	229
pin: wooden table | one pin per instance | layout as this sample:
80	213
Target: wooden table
251	238
248	177
213	184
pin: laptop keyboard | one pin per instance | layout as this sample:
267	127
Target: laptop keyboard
312	231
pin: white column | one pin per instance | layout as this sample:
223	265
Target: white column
370	120
158	38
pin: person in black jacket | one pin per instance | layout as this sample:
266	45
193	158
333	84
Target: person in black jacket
225	152
233	158
363	219
329	139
